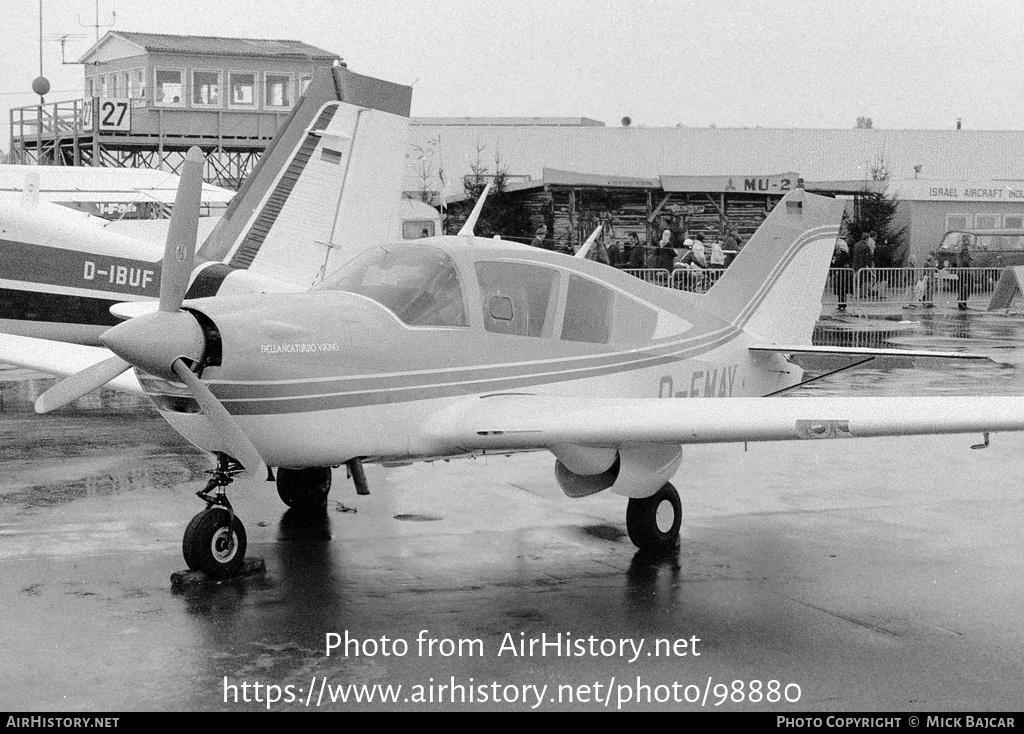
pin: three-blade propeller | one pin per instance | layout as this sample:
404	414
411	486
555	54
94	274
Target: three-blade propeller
168	342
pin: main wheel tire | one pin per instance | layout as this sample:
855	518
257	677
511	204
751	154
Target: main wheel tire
209	546
653	522
304	489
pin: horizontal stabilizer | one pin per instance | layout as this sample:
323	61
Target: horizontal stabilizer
863	351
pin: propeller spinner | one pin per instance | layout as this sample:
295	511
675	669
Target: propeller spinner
168	342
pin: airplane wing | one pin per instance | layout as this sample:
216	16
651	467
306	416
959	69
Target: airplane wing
60	359
862	351
516	422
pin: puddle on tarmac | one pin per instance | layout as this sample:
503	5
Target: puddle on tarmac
610	533
104	444
996	336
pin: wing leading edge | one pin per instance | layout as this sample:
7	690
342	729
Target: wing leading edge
517	422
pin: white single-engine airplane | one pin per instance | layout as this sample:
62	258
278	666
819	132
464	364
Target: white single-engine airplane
455	346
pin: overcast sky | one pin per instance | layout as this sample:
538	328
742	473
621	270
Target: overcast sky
784	63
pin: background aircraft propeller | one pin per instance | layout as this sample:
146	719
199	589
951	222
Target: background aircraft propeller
168	342
81	383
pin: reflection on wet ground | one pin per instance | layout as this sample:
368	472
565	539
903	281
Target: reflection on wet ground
47	460
874	574
994	336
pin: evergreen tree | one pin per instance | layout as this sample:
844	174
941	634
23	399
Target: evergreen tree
876	212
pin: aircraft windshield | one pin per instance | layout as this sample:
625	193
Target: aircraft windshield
419	283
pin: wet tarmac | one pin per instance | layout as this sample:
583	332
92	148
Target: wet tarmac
871	575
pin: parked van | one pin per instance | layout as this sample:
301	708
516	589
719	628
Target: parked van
989	248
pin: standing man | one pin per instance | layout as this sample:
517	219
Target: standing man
700	254
862	260
963	263
665	254
717	259
677	232
841	273
540	239
731	241
636	251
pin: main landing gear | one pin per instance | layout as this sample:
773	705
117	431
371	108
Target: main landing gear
653	522
214	540
304	489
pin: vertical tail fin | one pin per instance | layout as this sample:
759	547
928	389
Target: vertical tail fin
328	185
773	287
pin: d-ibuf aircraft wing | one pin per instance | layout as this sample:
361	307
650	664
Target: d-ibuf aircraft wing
519	422
60	359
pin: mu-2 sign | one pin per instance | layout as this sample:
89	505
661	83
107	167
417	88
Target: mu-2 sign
115	114
779	184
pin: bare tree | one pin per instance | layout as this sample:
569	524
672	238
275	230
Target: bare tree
502	214
879	168
424	163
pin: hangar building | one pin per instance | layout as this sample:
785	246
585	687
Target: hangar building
944	179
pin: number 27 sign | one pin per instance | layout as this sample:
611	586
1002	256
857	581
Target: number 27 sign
115	114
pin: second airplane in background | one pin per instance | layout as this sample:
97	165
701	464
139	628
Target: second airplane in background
328	186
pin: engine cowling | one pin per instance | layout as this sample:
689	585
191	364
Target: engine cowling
632	471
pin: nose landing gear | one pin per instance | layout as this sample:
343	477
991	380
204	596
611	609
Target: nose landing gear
214	540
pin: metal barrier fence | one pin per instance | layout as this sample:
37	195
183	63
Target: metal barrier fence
697	281
869	286
911	286
658	276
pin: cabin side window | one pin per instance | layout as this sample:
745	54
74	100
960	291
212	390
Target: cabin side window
588	312
518	298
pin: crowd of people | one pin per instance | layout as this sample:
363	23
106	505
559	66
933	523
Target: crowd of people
854	267
675	248
854	272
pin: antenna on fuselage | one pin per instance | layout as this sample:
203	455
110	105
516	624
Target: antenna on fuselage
585	247
467	228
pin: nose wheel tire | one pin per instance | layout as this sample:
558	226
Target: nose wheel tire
304	489
213	547
653	522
